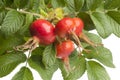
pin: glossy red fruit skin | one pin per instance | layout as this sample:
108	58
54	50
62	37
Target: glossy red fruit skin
66	25
79	25
63	27
64	49
43	31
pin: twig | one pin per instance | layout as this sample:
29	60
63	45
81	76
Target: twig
24	12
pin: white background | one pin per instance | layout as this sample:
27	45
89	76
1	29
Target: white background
112	43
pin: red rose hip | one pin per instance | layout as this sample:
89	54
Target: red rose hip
78	27
43	31
64	49
64	26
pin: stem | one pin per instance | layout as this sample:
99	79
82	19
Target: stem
24	12
79	43
58	39
30	51
84	37
77	39
66	64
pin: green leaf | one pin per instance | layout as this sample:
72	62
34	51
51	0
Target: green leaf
20	3
112	4
7	2
106	1
78	67
102	24
12	22
42	4
49	56
88	23
102	54
1	3
78	4
9	43
38	51
36	63
30	4
37	4
93	4
96	72
74	5
25	28
23	74
9	61
93	37
58	3
114	17
47	1
2	16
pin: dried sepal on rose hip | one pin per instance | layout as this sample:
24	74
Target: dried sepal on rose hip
42	32
64	49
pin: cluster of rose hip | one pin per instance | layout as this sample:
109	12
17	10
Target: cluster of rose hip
65	34
45	33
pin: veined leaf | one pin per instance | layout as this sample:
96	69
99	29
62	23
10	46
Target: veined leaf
96	72
37	4
101	54
9	43
38	51
112	4
94	38
114	17
106	1
102	24
2	15
49	56
25	28
93	4
12	22
87	21
42	4
47	1
78	67
9	61
1	3
7	2
78	4
36	63
30	4
74	5
20	3
23	74
58	3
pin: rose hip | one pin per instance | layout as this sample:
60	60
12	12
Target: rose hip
66	25
43	31
64	49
